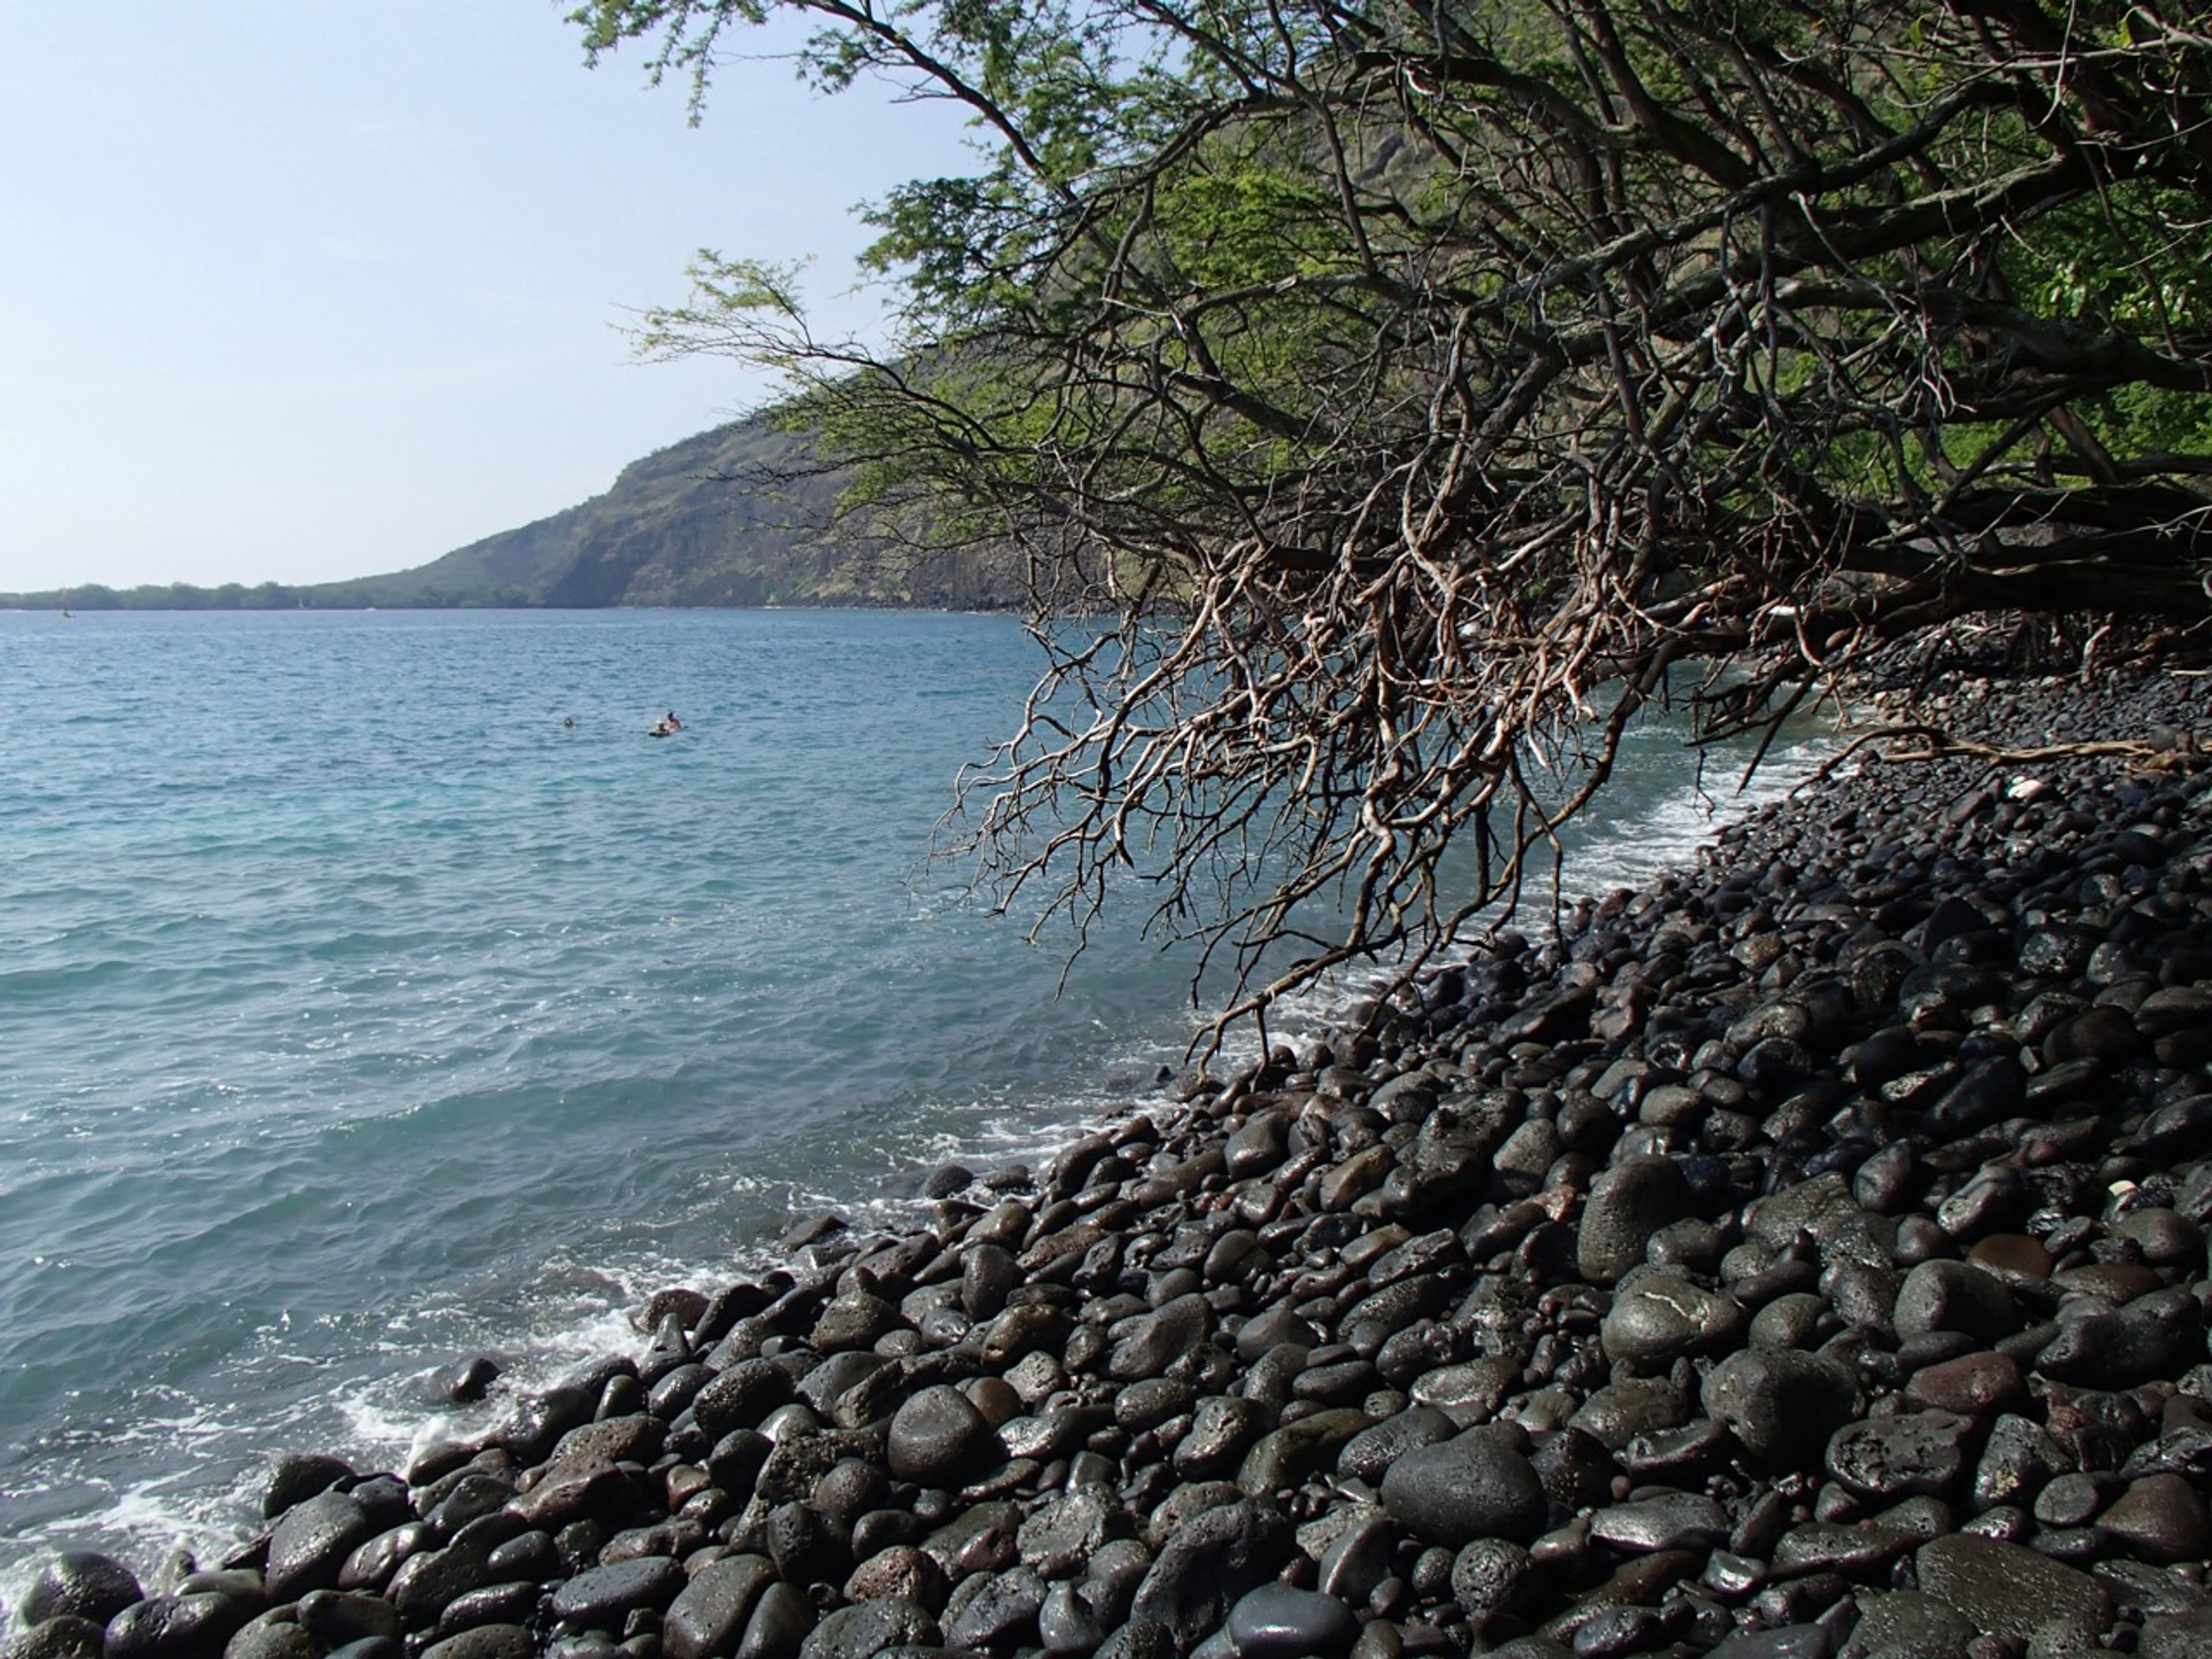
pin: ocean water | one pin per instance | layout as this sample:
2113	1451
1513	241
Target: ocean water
359	1013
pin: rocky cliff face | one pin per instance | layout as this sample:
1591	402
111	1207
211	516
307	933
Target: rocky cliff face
736	516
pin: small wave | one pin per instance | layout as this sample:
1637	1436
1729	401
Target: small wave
445	1048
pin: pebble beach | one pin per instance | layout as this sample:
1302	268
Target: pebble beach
1801	1258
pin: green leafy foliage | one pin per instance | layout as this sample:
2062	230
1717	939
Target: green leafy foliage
1422	385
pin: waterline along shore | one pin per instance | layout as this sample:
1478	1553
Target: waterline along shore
1803	1257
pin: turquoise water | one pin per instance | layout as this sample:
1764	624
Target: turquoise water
358	1014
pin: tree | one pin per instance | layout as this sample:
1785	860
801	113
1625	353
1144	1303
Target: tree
1422	386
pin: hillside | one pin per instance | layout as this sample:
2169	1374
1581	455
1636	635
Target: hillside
729	517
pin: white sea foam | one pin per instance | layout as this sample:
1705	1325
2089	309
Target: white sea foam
444	1049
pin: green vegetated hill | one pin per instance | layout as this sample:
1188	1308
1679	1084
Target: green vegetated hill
734	516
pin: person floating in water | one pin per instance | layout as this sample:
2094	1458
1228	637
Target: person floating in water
667	727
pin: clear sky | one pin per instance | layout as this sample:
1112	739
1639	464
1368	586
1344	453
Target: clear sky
293	290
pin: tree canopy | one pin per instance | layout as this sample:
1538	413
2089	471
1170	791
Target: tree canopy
1423	386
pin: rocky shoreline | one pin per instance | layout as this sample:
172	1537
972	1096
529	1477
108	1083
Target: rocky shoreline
1802	1259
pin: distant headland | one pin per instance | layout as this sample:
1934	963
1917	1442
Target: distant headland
731	517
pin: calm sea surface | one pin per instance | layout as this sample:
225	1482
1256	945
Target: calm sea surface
358	1014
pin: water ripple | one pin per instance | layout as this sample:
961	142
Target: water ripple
360	1014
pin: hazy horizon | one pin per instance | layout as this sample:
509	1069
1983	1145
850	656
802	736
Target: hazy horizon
338	290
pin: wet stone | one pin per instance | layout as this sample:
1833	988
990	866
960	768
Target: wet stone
1627	1204
79	1584
1206	1564
2009	1589
265	1639
1003	1615
1677	1457
1788	1641
1352	1546
1284	1457
66	1636
1027	1328
175	1627
1676	1521
1276	1621
1815	1207
1475	1485
1140	1638
2156	1336
309	1546
938	1438
1057	1434
335	1618
1782	1405
1271	1329
633	1439
2019	1458
895	1572
1574	1469
1661	1315
1787	1322
2113	1282
1892	1457
1910	1624
740	1396
372	1565
1490	1576
1468	1394
860	1632
2181	1128
977	1540
571	1494
2071	1500
988	1273
1732	1575
780	1621
1975	1384
1111	1580
820	1387
2165	1237
495	1604
1151	1342
2140	1589
604	1596
1863	1296
1341	1384
1826	1546
1065	1624
484	1642
853	1322
473	1495
2160	1518
1922	1517
1067	1531
427	1582
2175	1636
1153	1401
1954	1295
294	1477
1221	1429
1369	1454
1618	1413
1620	1630
2012	1256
